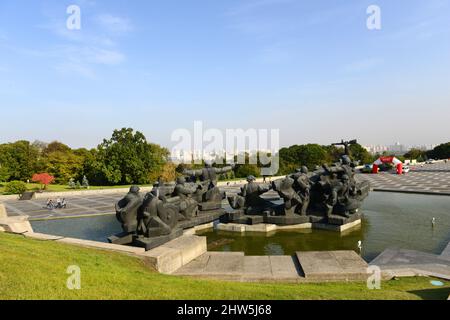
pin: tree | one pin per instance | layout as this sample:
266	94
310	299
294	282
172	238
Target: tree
440	152
56	146
43	178
310	155
126	158
168	172
415	154
18	161
359	153
63	165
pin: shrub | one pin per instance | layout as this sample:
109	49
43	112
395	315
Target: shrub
85	182
15	187
72	184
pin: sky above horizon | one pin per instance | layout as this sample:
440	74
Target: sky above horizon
311	69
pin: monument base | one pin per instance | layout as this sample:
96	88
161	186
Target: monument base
287	220
334	222
151	243
340	220
121	238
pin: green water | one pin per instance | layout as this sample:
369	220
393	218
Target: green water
390	220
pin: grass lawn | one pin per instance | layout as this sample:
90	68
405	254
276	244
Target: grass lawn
33	269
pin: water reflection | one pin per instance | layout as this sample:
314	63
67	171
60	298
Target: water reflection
390	220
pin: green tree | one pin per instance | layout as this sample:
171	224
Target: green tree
440	152
62	162
415	154
18	161
310	155
126	158
359	153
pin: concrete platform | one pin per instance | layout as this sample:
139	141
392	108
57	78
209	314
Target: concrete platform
15	224
402	263
267	227
176	253
337	228
333	265
236	266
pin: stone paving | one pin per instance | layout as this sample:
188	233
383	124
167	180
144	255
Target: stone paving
76	206
431	178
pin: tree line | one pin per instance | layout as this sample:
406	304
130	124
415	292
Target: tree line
128	158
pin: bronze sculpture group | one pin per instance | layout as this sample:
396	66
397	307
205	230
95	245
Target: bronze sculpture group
329	194
162	214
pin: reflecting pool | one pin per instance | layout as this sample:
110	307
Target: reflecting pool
390	220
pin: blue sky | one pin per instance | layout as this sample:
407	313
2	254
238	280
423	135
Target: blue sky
309	68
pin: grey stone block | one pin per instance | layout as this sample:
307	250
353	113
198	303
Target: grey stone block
332	265
284	268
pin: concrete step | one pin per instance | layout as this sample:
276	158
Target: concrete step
333	266
238	267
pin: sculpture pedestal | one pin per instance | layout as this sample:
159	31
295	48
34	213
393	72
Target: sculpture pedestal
202	218
286	220
151	243
121	238
239	217
340	220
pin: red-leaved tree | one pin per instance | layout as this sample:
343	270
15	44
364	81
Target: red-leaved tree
43	178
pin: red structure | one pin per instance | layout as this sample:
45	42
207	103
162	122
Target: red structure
392	160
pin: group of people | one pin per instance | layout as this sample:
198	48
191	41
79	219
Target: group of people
58	204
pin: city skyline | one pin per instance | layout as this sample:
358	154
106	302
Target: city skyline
312	70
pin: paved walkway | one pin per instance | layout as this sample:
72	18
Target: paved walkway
431	178
400	262
76	206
